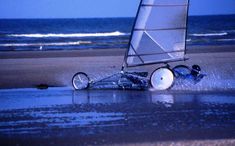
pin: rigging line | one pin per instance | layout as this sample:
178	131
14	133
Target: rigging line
186	30
132	32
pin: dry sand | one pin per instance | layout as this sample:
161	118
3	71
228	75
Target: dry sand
56	68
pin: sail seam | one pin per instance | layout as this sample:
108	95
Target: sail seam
158	44
155	42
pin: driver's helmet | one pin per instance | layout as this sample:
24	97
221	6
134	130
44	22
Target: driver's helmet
196	69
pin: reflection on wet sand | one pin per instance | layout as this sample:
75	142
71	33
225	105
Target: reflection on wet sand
119	96
32	98
109	116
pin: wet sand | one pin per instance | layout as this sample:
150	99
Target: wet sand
59	116
56	68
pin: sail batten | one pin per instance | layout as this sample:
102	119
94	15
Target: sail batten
157	53
148	5
137	29
159	31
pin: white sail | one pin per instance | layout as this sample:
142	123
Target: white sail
159	33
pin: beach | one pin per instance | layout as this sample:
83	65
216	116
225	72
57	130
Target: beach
40	56
32	54
25	69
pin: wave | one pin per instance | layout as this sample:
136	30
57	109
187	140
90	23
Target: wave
45	44
189	40
224	40
231	31
107	34
209	34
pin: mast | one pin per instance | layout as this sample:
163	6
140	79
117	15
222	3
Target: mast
132	31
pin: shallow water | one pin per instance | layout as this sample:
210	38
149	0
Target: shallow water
14	99
109	116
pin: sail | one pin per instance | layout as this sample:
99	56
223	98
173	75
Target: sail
159	32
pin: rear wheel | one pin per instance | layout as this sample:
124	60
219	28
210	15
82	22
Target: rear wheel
80	81
162	79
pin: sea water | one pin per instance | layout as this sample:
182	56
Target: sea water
102	33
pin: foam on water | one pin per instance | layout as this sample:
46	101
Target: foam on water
105	34
224	40
46	44
209	34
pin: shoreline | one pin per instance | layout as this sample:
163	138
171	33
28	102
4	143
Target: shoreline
103	52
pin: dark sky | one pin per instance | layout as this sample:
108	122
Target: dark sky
98	8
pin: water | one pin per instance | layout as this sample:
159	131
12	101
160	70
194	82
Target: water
211	30
31	98
71	117
105	33
58	34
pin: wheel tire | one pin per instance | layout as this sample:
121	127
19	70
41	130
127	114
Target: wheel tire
80	81
181	70
162	79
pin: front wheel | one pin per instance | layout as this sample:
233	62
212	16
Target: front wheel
162	79
80	81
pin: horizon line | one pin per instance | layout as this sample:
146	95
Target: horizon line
111	17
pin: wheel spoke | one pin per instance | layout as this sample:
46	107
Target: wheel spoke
80	81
